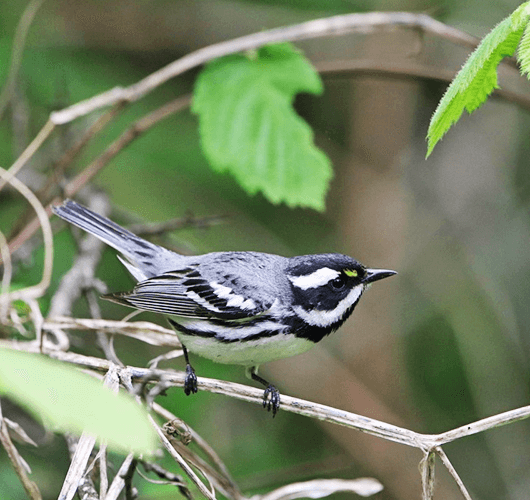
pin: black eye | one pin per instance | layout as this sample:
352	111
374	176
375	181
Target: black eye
338	283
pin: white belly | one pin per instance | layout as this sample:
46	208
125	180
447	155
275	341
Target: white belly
249	353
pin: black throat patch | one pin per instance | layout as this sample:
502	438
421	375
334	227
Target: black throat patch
315	334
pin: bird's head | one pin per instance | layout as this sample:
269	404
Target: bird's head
327	287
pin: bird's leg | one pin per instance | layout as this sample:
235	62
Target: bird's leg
271	395
190	381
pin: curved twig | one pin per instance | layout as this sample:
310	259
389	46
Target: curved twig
34	145
6	277
39	289
428	443
18	49
330	26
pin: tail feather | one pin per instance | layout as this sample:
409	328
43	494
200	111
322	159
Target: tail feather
145	259
111	233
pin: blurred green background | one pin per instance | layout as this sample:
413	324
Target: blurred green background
442	344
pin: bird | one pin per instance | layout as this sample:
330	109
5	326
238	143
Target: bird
235	307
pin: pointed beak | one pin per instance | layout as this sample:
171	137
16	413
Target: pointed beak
377	274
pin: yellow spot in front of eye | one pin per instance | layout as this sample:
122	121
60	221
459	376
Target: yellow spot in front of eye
352	273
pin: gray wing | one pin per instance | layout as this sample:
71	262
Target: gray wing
186	293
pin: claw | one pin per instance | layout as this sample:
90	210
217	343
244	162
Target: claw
271	399
190	381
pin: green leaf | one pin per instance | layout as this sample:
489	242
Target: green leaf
523	52
478	77
249	128
75	402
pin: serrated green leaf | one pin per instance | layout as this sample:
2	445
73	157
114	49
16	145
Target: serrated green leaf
523	52
478	77
74	402
249	128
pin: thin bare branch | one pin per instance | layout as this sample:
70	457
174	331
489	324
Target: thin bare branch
19	42
84	448
28	231
46	192
28	153
118	483
16	460
214	477
103	473
427	474
407	70
80	481
426	442
142	330
320	488
87	106
39	289
330	26
449	466
37	318
492	422
188	221
166	476
226	484
83	270
6	277
137	128
182	463
249	394
68	157
15	429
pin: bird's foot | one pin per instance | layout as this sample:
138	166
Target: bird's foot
190	381
271	399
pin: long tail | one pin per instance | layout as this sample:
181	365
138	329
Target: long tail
145	259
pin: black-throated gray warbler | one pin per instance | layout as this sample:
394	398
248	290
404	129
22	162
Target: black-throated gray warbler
243	308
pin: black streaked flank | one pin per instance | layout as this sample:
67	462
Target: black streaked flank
212	334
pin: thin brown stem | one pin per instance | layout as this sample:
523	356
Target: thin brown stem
138	128
325	27
39	289
45	193
18	49
5	440
28	153
407	71
449	466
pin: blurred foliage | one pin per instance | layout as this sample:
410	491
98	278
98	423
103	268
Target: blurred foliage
338	6
439	379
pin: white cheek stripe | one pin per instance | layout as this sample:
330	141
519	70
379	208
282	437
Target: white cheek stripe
318	278
326	318
233	300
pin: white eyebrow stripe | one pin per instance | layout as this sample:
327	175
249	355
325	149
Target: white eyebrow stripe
317	278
